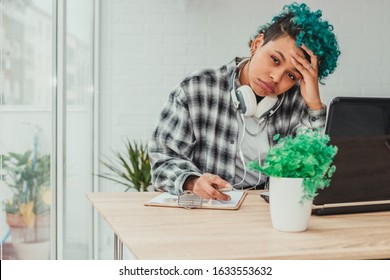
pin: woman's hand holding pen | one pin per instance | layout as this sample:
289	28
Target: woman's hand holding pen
208	186
309	83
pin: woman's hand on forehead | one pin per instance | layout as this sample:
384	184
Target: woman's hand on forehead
309	84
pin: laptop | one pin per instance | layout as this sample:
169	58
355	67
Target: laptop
360	128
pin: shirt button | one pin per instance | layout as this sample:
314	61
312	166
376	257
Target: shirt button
313	119
229	177
231	141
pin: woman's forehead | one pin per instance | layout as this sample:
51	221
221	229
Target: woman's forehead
285	44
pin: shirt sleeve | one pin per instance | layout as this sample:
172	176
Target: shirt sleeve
294	115
172	144
313	119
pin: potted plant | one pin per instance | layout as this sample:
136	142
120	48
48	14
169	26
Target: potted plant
298	167
130	168
27	211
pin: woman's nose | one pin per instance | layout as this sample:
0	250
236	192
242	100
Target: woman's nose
276	75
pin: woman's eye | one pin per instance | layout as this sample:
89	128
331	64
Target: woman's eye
291	76
275	60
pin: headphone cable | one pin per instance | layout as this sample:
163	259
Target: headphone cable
243	159
241	154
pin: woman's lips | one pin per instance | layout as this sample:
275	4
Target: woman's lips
269	88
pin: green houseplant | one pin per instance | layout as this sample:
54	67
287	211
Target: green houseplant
28	176
130	168
297	168
308	155
28	209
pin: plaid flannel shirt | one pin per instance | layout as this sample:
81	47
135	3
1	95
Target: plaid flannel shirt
198	128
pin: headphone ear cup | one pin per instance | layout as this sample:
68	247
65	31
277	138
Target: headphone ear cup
265	105
247	99
235	101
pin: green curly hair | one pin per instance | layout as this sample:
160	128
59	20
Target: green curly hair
305	27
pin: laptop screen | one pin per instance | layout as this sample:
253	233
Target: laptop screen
360	128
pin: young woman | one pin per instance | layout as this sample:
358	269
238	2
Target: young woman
217	120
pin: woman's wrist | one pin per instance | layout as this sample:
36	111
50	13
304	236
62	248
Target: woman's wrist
314	105
190	183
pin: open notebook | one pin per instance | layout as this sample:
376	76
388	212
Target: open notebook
168	200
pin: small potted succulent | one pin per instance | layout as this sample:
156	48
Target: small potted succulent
297	166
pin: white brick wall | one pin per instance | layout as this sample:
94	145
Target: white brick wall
148	46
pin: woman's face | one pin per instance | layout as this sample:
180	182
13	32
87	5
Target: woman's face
270	71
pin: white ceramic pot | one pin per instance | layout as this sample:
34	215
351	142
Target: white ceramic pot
288	211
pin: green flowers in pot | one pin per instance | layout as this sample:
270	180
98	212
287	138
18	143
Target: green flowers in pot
308	155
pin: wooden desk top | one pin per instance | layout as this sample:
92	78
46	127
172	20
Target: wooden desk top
175	233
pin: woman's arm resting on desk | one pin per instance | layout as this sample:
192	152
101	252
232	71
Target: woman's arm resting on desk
171	146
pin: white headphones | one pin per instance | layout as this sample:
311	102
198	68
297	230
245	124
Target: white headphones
244	99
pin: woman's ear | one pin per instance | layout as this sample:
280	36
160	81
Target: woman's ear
258	42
